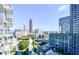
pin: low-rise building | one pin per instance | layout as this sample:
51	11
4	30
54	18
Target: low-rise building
18	33
41	34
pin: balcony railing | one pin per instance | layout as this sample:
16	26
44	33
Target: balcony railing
6	9
9	24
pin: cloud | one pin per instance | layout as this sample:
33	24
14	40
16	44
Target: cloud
63	7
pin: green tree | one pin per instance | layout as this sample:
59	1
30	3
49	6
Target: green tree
25	37
39	43
35	49
23	44
25	52
13	50
33	37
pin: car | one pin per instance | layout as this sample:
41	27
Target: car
41	53
49	52
54	49
43	48
46	47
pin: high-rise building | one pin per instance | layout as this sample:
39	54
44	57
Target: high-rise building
74	25
71	39
64	24
74	13
30	26
5	28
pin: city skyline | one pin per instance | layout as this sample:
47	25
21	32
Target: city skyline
44	16
39	39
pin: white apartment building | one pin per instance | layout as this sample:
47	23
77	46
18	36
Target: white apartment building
6	24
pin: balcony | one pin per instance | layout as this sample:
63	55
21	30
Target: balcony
1	32
9	24
1	8
8	33
1	45
1	49
9	20
5	8
1	21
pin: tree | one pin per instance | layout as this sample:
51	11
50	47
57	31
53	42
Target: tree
25	37
35	49
13	50
33	37
25	52
39	43
23	44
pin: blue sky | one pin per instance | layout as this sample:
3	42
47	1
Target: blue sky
44	16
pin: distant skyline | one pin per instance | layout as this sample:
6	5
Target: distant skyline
44	16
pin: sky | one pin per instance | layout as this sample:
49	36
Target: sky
44	16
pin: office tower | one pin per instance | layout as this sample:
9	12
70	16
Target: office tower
5	28
73	29
71	40
74	13
30	26
64	24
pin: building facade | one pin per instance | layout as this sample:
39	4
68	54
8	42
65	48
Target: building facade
18	33
68	38
5	28
62	42
64	24
74	13
74	24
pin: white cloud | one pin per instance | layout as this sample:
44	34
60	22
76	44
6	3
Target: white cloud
63	7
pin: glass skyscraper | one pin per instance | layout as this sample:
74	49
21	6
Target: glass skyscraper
74	13
68	38
61	42
74	25
64	24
